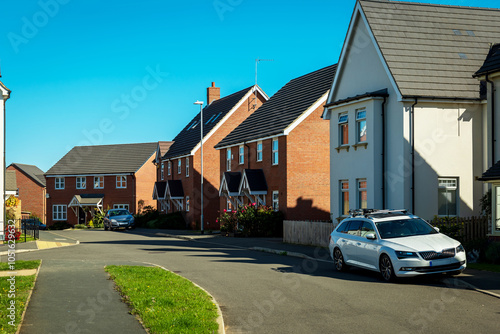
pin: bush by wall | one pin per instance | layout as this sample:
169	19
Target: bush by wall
253	221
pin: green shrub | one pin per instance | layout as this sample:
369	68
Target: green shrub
59	225
493	253
80	226
252	220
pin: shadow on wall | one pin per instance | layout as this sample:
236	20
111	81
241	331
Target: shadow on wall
304	209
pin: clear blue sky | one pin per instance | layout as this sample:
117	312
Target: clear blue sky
111	72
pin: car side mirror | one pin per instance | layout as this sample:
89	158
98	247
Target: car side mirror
437	229
371	236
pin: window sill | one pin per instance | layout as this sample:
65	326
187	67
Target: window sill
360	145
342	147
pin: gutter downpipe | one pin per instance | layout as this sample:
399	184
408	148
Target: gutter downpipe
493	140
383	152
412	142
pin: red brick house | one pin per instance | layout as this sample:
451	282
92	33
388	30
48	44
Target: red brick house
31	188
279	156
180	188
90	178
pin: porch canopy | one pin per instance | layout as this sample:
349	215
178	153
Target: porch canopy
492	176
159	190
250	183
86	201
229	188
175	193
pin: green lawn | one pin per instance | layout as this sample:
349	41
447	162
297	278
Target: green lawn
22	287
484	266
166	302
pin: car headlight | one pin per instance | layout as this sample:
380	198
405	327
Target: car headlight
405	255
113	221
460	249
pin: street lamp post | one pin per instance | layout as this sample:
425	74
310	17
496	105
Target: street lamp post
200	103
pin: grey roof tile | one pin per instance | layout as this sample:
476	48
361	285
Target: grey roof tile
104	159
32	171
10	180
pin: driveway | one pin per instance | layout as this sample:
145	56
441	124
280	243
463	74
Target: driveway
267	293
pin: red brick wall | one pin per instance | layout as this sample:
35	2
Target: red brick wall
31	194
145	179
211	169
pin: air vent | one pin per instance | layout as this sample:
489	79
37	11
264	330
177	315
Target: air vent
457	32
470	33
462	55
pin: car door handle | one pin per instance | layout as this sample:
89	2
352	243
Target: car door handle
359	243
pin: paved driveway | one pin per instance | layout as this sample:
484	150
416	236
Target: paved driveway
267	293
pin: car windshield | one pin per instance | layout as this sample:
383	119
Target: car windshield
404	228
118	213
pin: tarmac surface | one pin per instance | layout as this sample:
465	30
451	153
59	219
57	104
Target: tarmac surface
95	293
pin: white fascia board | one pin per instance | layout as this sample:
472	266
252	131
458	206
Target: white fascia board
331	108
441	101
358	12
222	184
176	158
229	114
251	141
82	175
321	101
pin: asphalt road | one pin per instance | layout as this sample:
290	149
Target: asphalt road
266	293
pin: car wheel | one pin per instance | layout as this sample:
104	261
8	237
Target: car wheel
338	260
386	268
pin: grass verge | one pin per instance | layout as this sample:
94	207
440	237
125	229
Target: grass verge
166	302
484	266
16	291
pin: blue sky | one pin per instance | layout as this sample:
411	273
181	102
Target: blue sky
128	71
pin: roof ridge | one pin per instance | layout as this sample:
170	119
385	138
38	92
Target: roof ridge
430	4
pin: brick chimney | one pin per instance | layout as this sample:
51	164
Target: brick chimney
213	93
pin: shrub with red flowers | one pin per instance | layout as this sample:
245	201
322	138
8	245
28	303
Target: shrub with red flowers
253	220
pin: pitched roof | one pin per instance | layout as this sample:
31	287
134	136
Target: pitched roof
189	137
253	181
493	173
32	171
230	182
10	180
163	147
174	189
104	159
433	50
159	190
492	62
283	108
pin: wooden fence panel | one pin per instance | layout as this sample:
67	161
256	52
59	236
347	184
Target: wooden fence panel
467	228
307	233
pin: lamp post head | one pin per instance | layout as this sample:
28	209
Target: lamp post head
199	103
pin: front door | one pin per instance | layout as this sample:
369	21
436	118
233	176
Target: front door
81	216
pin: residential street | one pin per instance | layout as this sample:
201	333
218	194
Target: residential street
258	292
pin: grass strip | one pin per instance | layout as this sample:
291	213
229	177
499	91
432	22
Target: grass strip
22	285
165	302
484	266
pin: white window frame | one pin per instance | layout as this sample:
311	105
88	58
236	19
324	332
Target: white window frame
81	182
179	166
275	150
360	118
169	168
259	150
121	206
228	159
229	205
241	154
187	167
187	203
162	171
99	186
59	183
276	200
449	184
343	122
121	182
360	191
59	212
342	203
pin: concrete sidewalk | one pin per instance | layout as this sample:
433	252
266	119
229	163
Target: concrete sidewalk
481	281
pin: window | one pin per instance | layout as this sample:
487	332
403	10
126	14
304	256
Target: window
98	182
169	168
59	183
81	182
275	151
354	226
366	228
361	125
362	195
187	203
228	159
447	197
121	182
187	167
121	206
276	200
259	151
241	157
179	166
229	206
162	170
343	129
344	198
59	212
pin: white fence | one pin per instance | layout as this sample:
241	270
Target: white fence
307	233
